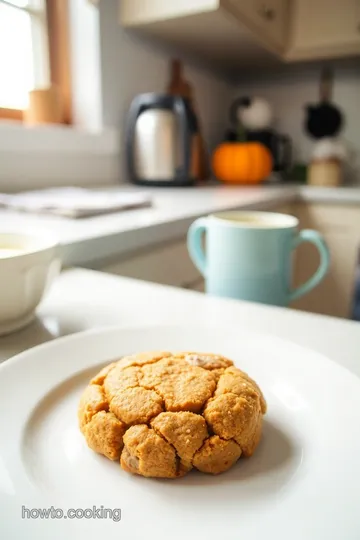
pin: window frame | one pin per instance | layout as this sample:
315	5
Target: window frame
57	26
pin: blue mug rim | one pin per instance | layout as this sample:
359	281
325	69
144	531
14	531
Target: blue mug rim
264	220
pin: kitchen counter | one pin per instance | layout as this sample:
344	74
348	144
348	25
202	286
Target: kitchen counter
86	241
84	299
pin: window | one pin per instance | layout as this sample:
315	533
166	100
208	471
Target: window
33	52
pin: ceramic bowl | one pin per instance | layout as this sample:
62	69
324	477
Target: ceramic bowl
28	265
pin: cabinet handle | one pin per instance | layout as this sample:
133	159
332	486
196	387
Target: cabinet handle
267	13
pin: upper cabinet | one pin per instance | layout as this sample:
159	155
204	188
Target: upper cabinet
324	29
234	33
143	12
229	33
267	18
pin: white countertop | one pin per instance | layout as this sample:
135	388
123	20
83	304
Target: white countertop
86	241
85	299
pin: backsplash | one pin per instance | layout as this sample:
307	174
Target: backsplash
290	91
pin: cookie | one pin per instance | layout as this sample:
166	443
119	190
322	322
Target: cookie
162	414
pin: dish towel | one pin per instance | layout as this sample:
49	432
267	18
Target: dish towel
75	202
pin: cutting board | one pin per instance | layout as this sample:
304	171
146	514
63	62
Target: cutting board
179	86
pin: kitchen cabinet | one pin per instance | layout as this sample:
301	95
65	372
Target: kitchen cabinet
340	226
137	12
266	17
168	264
229	33
283	209
274	17
324	29
198	286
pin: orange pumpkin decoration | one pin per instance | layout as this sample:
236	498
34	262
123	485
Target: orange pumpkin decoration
242	162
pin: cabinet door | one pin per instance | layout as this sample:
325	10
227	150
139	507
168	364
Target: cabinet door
273	17
322	24
266	17
200	286
334	295
340	226
244	9
284	209
167	264
197	285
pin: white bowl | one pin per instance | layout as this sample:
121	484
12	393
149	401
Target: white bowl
28	265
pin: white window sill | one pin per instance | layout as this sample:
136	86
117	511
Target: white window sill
19	138
47	156
83	155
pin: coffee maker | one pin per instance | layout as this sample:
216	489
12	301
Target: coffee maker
159	141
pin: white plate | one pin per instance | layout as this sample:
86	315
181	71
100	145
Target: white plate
302	483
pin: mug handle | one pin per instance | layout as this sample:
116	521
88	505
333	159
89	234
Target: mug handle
194	237
307	235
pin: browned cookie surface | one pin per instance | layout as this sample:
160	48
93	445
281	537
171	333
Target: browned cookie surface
216	455
185	431
104	434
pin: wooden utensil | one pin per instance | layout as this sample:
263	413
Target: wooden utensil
179	86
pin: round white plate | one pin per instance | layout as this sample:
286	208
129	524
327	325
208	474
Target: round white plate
302	483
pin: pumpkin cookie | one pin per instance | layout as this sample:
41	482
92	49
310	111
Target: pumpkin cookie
162	414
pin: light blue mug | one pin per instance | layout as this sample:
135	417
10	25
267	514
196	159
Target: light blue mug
249	255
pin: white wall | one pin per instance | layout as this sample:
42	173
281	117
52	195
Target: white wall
85	65
290	92
48	156
131	65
